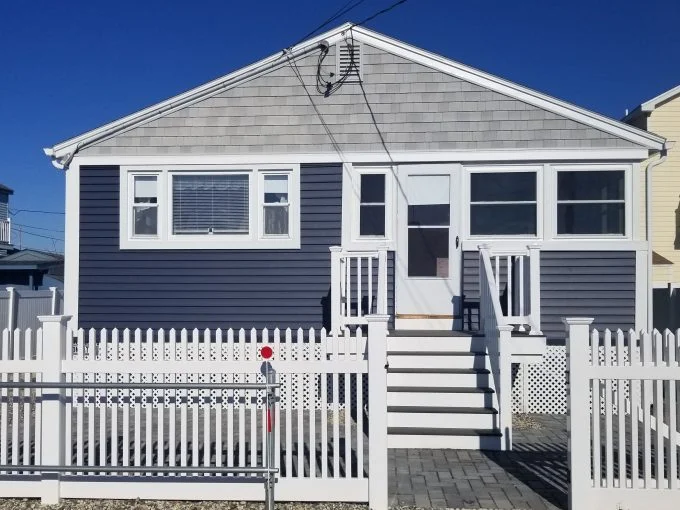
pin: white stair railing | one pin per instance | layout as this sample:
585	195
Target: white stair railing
358	286
497	333
522	291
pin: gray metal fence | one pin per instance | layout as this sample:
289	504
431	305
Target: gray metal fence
20	308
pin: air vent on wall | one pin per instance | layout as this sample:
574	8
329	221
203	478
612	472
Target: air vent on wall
344	62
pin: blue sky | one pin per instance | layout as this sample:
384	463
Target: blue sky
67	67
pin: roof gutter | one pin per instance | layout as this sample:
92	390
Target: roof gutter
62	156
648	227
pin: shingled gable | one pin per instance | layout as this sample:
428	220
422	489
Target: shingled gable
484	99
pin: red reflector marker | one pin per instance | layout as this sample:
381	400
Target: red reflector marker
266	352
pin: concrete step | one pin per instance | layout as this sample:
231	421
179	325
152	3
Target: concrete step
439	397
436	359
422	342
442	417
438	377
456	438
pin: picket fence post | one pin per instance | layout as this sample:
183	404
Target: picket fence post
578	425
52	440
336	298
377	405
505	389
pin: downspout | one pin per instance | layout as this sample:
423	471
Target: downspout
648	228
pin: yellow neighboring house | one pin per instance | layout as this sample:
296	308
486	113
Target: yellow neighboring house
661	115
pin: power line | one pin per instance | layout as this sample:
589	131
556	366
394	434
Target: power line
350	5
379	13
17	211
38	228
22	232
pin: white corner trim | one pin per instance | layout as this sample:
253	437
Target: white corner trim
641	289
72	243
165	240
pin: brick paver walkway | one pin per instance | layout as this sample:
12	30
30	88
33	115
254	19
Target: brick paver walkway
533	476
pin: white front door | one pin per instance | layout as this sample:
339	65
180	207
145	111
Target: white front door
427	260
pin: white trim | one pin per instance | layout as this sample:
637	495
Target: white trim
628	200
166	240
72	243
466	201
651	104
62	150
597	244
463	156
641	289
351	195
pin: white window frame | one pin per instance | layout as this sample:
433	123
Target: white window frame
351	208
166	240
627	199
467	200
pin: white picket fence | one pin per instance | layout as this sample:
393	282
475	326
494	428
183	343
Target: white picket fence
623	418
320	422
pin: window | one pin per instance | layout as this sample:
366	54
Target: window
429	205
206	206
503	203
145	205
276	215
372	205
591	202
210	204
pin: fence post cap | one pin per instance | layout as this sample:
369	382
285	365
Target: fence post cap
484	246
505	327
578	321
63	319
377	318
335	249
53	289
534	246
9	289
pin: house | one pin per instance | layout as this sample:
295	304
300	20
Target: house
661	115
5	225
356	174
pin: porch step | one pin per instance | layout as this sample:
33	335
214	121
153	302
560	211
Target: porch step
426	342
458	438
441	417
439	377
436	396
436	359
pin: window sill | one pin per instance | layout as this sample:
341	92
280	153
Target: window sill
209	243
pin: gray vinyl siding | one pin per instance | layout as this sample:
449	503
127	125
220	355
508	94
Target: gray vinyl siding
416	107
599	284
208	288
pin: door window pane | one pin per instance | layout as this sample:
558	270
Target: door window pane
372	205
428	252
428	225
503	203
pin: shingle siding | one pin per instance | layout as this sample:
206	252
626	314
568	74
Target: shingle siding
599	284
416	107
208	288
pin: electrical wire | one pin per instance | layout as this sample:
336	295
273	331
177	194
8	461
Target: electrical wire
17	211
37	228
22	232
379	13
340	12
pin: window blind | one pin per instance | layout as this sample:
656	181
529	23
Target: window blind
210	204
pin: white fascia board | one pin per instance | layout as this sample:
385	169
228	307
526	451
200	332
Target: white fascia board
511	89
185	99
501	155
651	105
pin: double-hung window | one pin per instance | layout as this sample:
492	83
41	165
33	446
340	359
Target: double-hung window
503	203
369	207
591	202
144	205
210	207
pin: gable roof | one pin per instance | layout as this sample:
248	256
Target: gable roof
63	152
651	104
